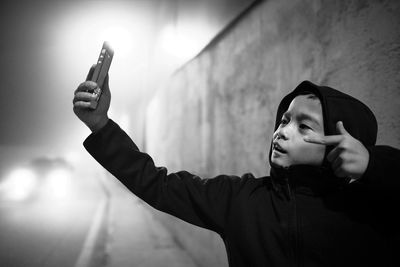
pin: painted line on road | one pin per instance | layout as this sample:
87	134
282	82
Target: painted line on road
90	241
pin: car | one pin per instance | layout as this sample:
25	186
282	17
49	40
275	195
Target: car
41	177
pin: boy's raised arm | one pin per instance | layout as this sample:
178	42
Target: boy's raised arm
203	202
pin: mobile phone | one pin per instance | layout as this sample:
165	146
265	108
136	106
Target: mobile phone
101	70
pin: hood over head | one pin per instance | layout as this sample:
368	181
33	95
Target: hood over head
357	118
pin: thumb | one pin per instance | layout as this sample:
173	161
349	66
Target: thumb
340	128
90	74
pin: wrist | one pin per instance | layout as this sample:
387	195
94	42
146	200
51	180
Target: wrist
99	125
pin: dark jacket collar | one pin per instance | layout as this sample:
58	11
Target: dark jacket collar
306	179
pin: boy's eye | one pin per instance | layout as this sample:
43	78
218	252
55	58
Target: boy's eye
284	121
305	127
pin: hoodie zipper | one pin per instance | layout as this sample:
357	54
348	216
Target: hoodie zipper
293	222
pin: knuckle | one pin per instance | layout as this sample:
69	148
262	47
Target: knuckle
79	95
87	85
342	157
81	87
90	84
343	145
348	168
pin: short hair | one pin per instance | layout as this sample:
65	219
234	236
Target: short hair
312	95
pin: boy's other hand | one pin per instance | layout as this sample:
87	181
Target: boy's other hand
95	119
349	157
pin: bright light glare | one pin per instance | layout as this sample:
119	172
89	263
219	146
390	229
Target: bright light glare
58	183
19	184
119	39
122	23
184	41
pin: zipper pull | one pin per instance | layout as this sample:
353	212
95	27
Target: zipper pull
287	179
289	190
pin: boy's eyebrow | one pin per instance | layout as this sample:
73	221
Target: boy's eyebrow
303	116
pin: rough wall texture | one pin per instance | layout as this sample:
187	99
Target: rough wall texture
216	114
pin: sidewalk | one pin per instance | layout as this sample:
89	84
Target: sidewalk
134	237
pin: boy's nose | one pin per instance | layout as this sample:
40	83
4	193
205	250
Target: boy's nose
282	133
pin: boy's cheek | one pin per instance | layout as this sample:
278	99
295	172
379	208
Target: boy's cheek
313	154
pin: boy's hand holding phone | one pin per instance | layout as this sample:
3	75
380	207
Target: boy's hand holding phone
92	97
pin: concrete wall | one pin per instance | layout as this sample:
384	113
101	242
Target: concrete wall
216	114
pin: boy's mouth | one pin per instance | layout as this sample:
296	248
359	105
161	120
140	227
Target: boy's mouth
277	147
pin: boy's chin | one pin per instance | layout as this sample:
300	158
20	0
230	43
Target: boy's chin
284	164
280	164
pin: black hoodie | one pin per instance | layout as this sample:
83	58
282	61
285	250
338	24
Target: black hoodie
298	216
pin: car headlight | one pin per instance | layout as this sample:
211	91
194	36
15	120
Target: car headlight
58	183
19	185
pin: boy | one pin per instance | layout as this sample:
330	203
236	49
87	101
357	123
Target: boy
329	201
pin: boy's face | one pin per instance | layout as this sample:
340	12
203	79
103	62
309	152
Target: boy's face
303	117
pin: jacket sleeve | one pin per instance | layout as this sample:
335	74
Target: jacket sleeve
383	168
202	202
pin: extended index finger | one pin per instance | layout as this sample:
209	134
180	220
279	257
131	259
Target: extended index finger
327	140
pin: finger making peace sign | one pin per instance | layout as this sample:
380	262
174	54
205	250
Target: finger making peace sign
349	157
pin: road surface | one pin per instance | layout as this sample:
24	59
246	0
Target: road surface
48	232
100	224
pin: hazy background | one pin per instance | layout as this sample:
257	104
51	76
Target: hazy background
47	47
